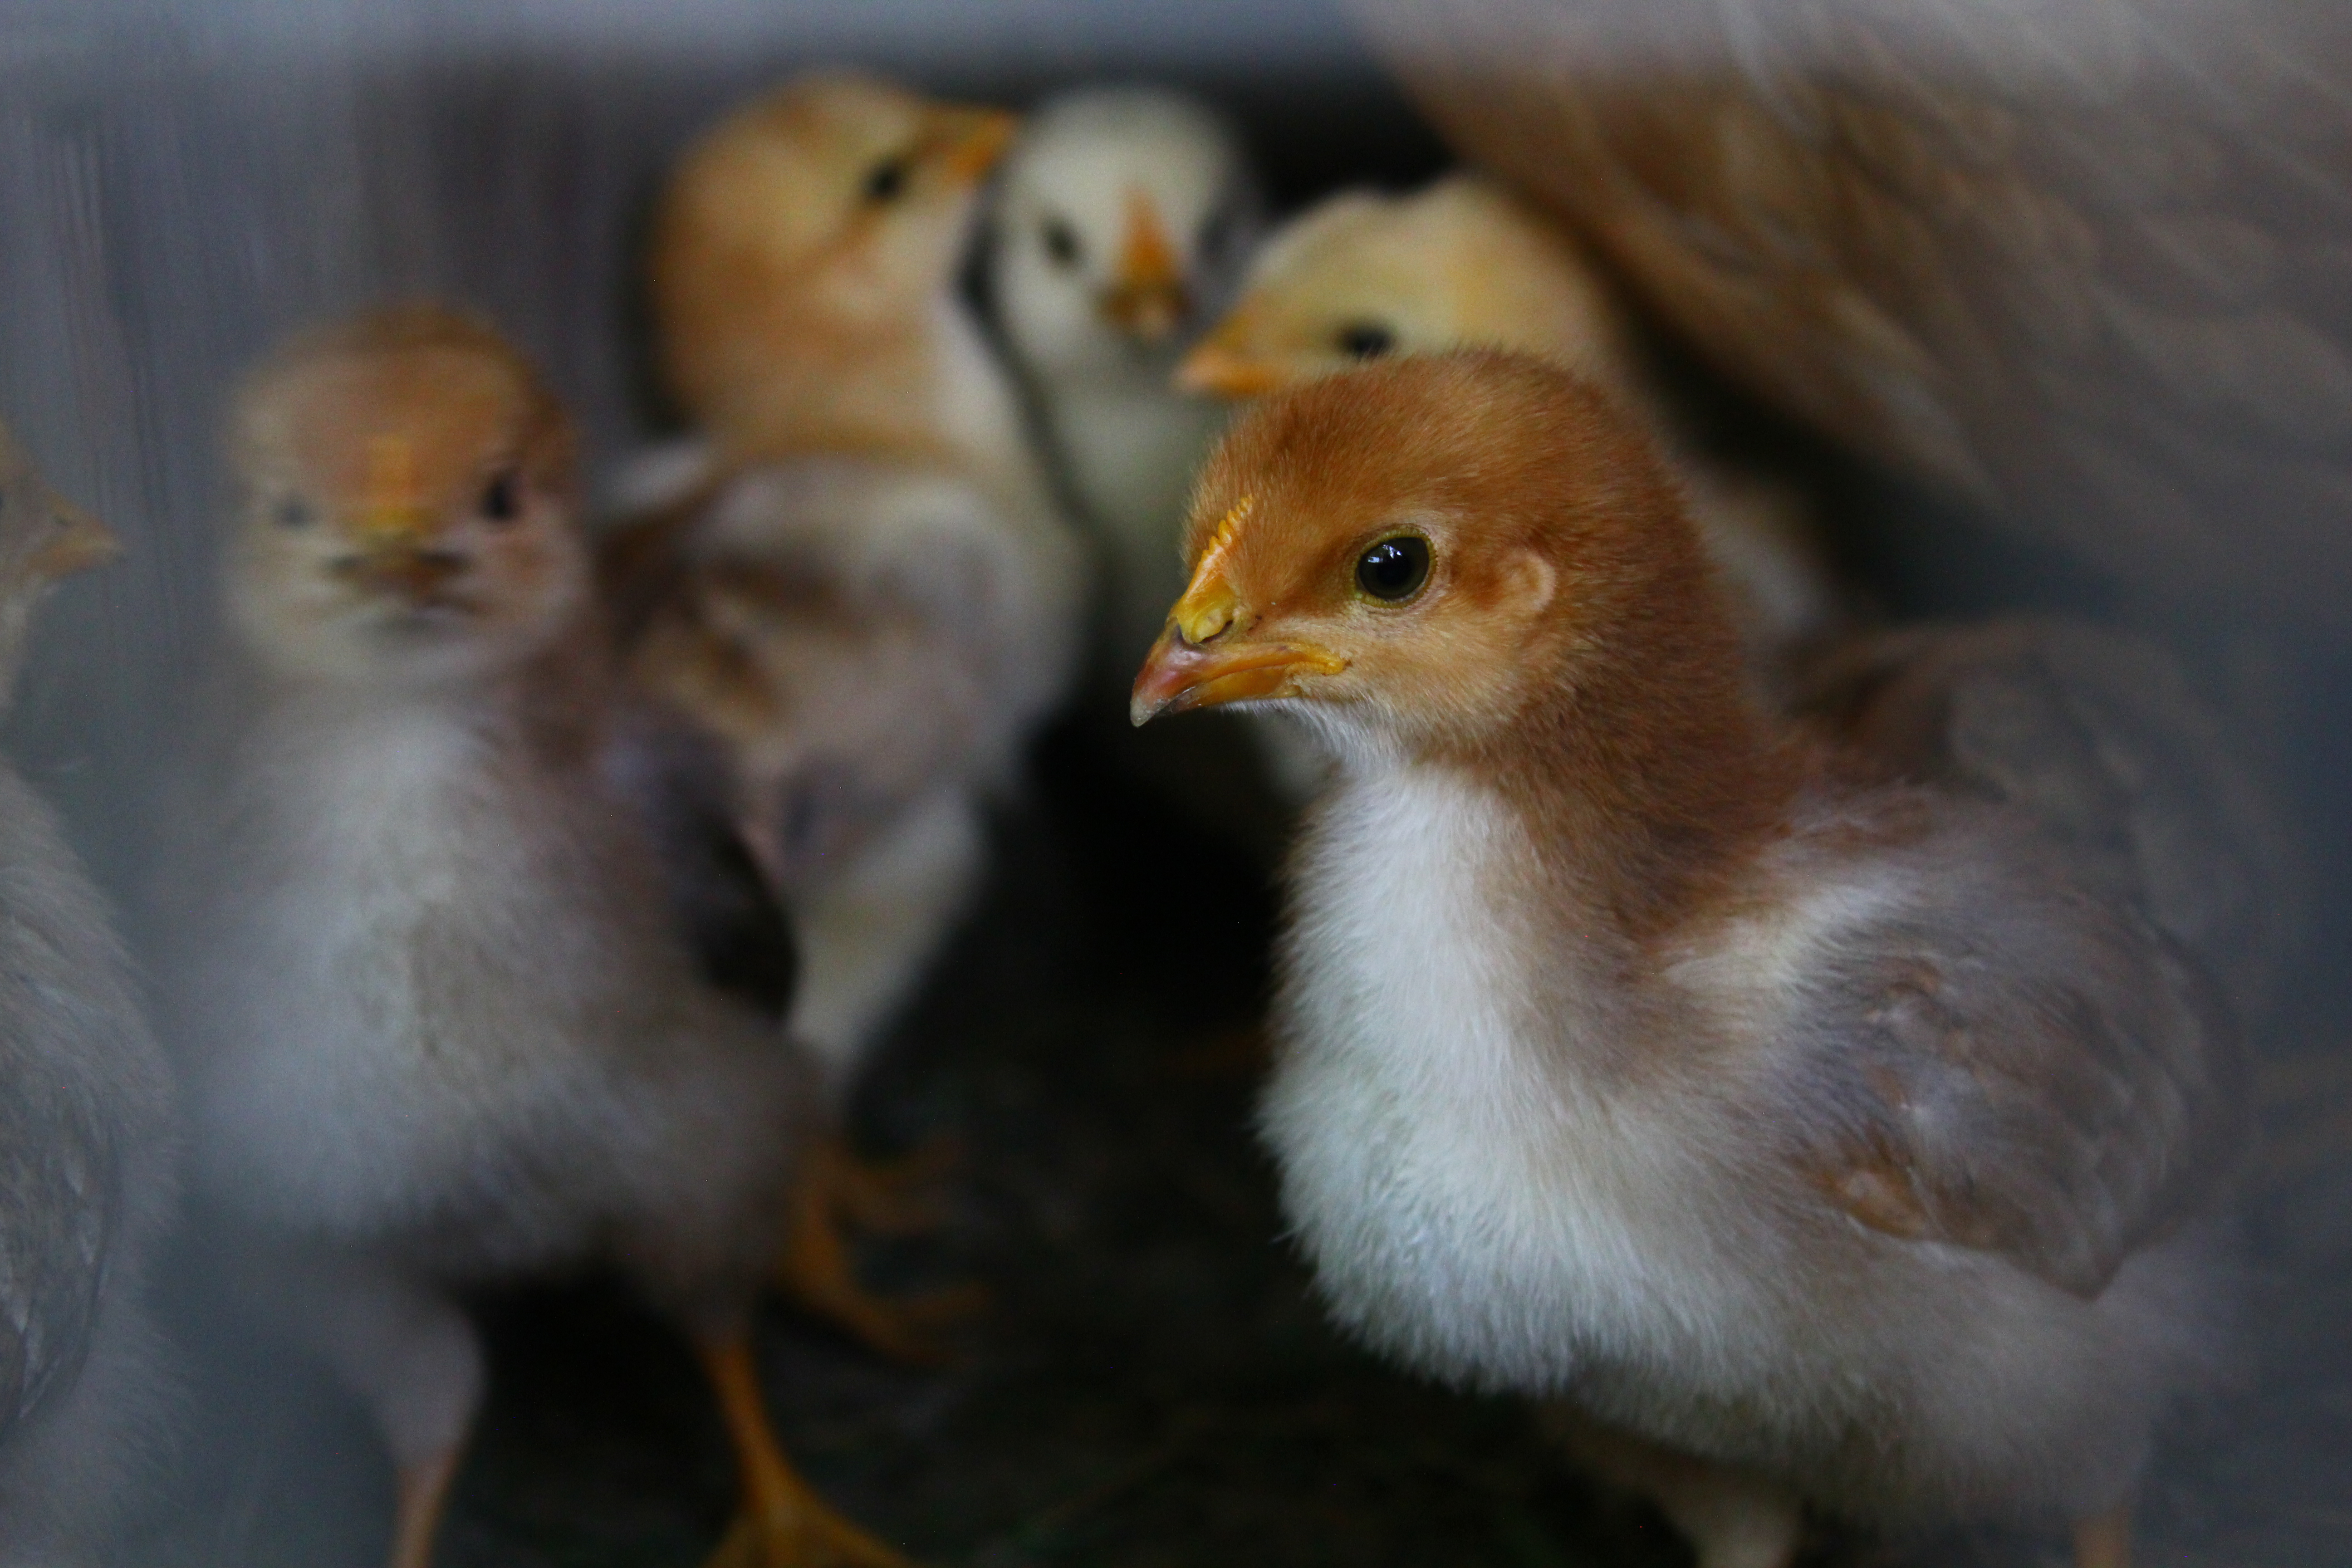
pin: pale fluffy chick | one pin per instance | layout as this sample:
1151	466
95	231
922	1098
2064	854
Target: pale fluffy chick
88	1128
1117	229
1818	1143
861	585
443	1025
1463	263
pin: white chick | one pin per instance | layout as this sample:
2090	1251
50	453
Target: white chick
1117	229
88	1128
442	1023
861	587
1463	263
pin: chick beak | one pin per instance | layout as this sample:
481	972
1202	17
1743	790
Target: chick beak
1206	656
79	542
1148	299
971	141
1222	365
396	529
409	571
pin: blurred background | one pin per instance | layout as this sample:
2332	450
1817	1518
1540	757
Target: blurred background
2043	307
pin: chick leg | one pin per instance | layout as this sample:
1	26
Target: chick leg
1732	1518
785	1524
423	1495
818	1270
2103	1539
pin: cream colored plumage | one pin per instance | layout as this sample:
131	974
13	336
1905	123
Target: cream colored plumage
857	581
88	1130
1463	263
1818	1143
1116	229
443	1025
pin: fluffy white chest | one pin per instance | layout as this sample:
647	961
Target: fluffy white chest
365	989
1470	1203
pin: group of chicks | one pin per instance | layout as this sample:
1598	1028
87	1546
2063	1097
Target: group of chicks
1809	1095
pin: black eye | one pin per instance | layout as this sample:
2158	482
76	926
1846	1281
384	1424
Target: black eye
1393	570
292	512
887	181
1365	340
502	497
1061	242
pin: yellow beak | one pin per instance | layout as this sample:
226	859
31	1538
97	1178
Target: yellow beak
79	542
1222	366
394	513
1148	299
1205	657
972	140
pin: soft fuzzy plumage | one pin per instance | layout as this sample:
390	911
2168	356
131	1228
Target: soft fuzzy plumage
1829	1140
88	1128
444	1024
858	586
1463	263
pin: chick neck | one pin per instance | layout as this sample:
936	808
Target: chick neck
1642	773
18	600
916	387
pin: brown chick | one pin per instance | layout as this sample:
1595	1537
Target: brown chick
2085	263
1818	1143
441	1025
1463	263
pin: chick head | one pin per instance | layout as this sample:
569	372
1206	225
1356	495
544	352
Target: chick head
43	538
1119	227
1412	554
1460	264
836	203
405	509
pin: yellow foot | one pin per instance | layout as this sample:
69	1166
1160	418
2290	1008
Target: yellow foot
817	1269
893	1197
808	1536
785	1524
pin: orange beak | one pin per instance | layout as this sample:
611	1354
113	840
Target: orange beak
1147	300
80	541
971	141
394	513
1206	659
1222	365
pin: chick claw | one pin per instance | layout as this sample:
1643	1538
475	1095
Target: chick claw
895	1197
805	1535
817	1267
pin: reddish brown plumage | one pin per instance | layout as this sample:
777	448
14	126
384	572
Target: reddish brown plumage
1621	708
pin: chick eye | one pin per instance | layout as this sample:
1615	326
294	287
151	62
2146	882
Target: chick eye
1365	340
292	511
502	497
1061	242
1393	570
886	180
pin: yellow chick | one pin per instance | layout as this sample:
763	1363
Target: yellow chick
854	580
1463	263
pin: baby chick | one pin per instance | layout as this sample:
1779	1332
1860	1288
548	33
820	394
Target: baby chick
859	587
88	1128
1465	263
1119	227
444	1026
1818	1141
